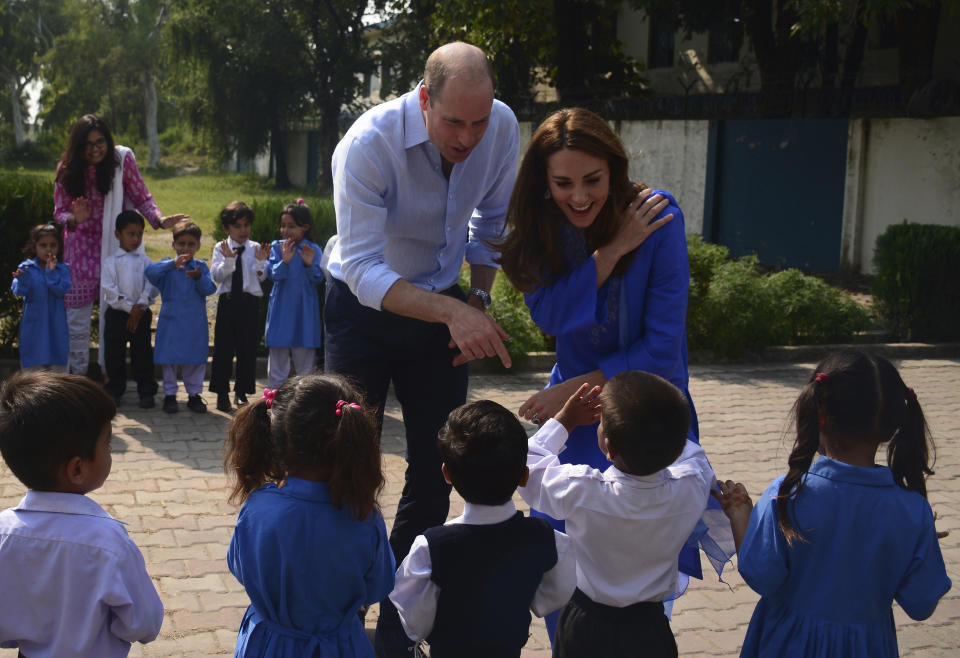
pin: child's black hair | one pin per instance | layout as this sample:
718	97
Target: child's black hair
128	217
300	212
186	227
37	232
858	397
235	211
484	447
646	419
47	419
306	425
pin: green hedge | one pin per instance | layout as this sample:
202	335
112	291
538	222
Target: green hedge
25	201
917	288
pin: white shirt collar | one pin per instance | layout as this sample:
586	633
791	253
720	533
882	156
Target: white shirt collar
234	244
475	514
414	125
60	503
123	252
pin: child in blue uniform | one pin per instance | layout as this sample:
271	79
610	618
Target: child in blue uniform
468	586
294	328
42	281
182	337
834	542
310	546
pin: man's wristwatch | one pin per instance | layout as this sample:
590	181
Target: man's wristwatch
484	296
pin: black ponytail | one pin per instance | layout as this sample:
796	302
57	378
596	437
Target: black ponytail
805	410
356	476
249	454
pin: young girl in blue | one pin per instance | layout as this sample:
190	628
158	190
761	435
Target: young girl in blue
294	328
835	541
310	546
42	281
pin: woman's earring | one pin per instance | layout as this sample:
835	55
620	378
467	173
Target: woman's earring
546	193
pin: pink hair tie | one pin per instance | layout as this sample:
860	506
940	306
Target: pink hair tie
343	403
300	201
821	378
268	395
911	396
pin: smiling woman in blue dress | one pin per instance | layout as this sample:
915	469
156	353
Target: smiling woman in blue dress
603	265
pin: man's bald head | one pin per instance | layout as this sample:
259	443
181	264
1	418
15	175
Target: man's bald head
457	60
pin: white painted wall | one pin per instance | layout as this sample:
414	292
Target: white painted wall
911	172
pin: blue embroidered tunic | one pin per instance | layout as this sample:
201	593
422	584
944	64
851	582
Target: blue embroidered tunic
182	332
293	314
44	339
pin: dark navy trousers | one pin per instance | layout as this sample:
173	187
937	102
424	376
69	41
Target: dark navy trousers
377	348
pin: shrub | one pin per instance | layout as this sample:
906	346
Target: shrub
25	201
917	290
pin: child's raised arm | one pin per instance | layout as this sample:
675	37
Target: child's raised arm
737	505
581	408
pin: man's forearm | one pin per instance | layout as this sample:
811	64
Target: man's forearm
404	298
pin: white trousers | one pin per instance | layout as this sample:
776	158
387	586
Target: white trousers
278	363
78	326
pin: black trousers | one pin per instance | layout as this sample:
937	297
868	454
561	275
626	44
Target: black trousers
115	339
376	348
235	333
587	629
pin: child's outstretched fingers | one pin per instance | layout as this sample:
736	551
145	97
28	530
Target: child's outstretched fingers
736	505
226	250
581	408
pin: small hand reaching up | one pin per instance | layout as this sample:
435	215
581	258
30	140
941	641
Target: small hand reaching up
307	254
737	505
288	250
581	408
226	250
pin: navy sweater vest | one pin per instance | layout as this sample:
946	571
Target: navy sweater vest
487	575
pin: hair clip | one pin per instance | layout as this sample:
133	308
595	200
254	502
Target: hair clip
300	201
911	396
343	403
821	378
268	395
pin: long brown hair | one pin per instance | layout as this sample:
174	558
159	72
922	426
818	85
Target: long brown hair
304	426
860	397
529	253
73	162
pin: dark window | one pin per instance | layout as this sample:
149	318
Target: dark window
726	34
661	44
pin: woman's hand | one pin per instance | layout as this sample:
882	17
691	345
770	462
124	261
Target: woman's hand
636	226
81	210
171	220
545	404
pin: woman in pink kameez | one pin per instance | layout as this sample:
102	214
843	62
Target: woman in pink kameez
96	181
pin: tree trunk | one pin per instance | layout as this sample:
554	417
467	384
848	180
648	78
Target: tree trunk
16	117
777	53
278	149
150	114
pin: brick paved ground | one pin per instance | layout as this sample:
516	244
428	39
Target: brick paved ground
167	484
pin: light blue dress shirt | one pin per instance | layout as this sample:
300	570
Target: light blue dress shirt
399	217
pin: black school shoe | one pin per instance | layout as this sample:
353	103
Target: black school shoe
196	403
239	398
147	402
170	404
223	402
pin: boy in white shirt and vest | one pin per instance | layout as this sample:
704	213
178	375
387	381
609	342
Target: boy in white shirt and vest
128	318
627	523
74	584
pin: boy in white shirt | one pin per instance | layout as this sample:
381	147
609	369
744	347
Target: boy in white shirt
468	586
128	317
629	522
74	584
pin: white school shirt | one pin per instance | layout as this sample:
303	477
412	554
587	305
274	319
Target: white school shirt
415	595
122	280
254	271
627	530
74	584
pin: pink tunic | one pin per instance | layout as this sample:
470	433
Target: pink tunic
81	246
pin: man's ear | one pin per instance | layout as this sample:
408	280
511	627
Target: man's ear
525	477
424	98
446	475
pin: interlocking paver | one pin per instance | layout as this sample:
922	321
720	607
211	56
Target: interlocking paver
168	485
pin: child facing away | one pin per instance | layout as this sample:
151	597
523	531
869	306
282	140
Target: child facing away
42	281
310	546
468	586
238	267
74	583
831	544
128	295
628	522
294	327
182	336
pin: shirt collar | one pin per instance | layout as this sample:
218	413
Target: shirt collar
878	476
475	514
123	252
60	503
306	489
414	126
234	244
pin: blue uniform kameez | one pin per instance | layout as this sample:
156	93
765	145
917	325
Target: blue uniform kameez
307	567
868	543
44	340
182	331
293	314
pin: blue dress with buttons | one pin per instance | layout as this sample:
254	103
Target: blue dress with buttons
182	330
44	339
293	314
